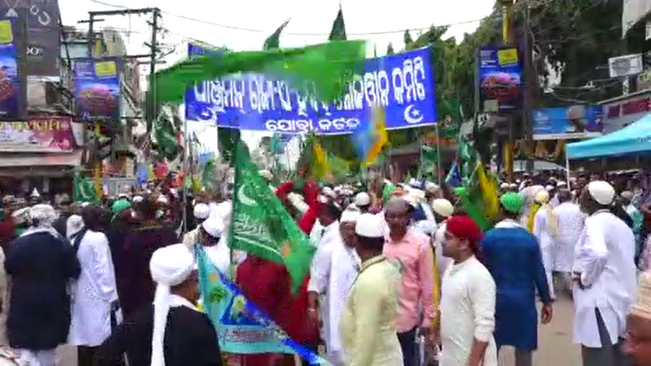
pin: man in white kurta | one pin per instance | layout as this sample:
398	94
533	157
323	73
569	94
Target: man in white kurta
604	273
95	292
545	228
467	299
344	267
570	226
328	217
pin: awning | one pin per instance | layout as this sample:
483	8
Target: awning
9	160
634	139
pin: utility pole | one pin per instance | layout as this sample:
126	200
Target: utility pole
507	147
530	84
91	44
151	98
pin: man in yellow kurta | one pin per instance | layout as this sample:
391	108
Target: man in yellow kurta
368	331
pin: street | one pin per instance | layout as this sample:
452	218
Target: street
555	345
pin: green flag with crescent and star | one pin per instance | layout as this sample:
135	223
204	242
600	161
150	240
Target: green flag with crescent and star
261	226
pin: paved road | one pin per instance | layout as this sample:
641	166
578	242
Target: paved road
555	347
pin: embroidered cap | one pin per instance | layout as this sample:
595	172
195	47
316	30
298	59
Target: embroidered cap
370	226
602	192
201	211
362	199
443	207
542	197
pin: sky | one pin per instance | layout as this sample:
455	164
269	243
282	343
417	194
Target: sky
245	24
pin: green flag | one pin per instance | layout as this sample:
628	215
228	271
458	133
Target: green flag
84	189
338	31
329	66
429	161
165	134
273	42
208	175
260	224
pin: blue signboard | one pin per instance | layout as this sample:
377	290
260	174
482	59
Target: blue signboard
97	90
403	84
500	77
567	122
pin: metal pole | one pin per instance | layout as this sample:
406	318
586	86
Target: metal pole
438	154
152	71
507	148
186	149
530	83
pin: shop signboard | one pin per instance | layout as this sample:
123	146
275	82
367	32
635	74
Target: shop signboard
38	134
621	112
118	185
576	122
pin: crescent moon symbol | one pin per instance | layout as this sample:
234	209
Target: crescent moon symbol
413	116
244	198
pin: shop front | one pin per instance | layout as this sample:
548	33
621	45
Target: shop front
40	153
622	111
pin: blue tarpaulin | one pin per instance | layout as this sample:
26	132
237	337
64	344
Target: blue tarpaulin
634	139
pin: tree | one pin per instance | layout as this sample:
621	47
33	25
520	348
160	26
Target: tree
408	39
390	50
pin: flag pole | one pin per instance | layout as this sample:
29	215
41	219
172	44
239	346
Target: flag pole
186	149
438	154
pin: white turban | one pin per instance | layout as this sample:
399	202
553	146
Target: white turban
162	199
602	192
201	211
74	224
541	197
137	199
214	226
169	266
43	214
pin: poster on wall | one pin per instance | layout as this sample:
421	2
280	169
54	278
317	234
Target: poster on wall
10	85
576	122
97	90
403	84
500	79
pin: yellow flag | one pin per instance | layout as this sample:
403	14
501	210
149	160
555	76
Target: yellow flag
322	167
488	188
379	134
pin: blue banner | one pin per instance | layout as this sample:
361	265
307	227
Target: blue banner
403	84
242	327
500	79
97	90
567	122
10	87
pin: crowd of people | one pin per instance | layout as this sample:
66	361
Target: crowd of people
401	276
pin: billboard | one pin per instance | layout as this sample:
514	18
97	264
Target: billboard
500	79
568	122
97	90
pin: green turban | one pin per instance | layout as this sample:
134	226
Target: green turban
512	202
120	205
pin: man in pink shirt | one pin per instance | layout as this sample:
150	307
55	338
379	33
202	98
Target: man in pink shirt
414	255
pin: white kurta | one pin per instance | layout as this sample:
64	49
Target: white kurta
93	292
542	231
344	268
320	271
467	313
604	256
570	226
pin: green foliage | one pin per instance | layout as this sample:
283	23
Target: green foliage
390	50
338	31
407	38
576	38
